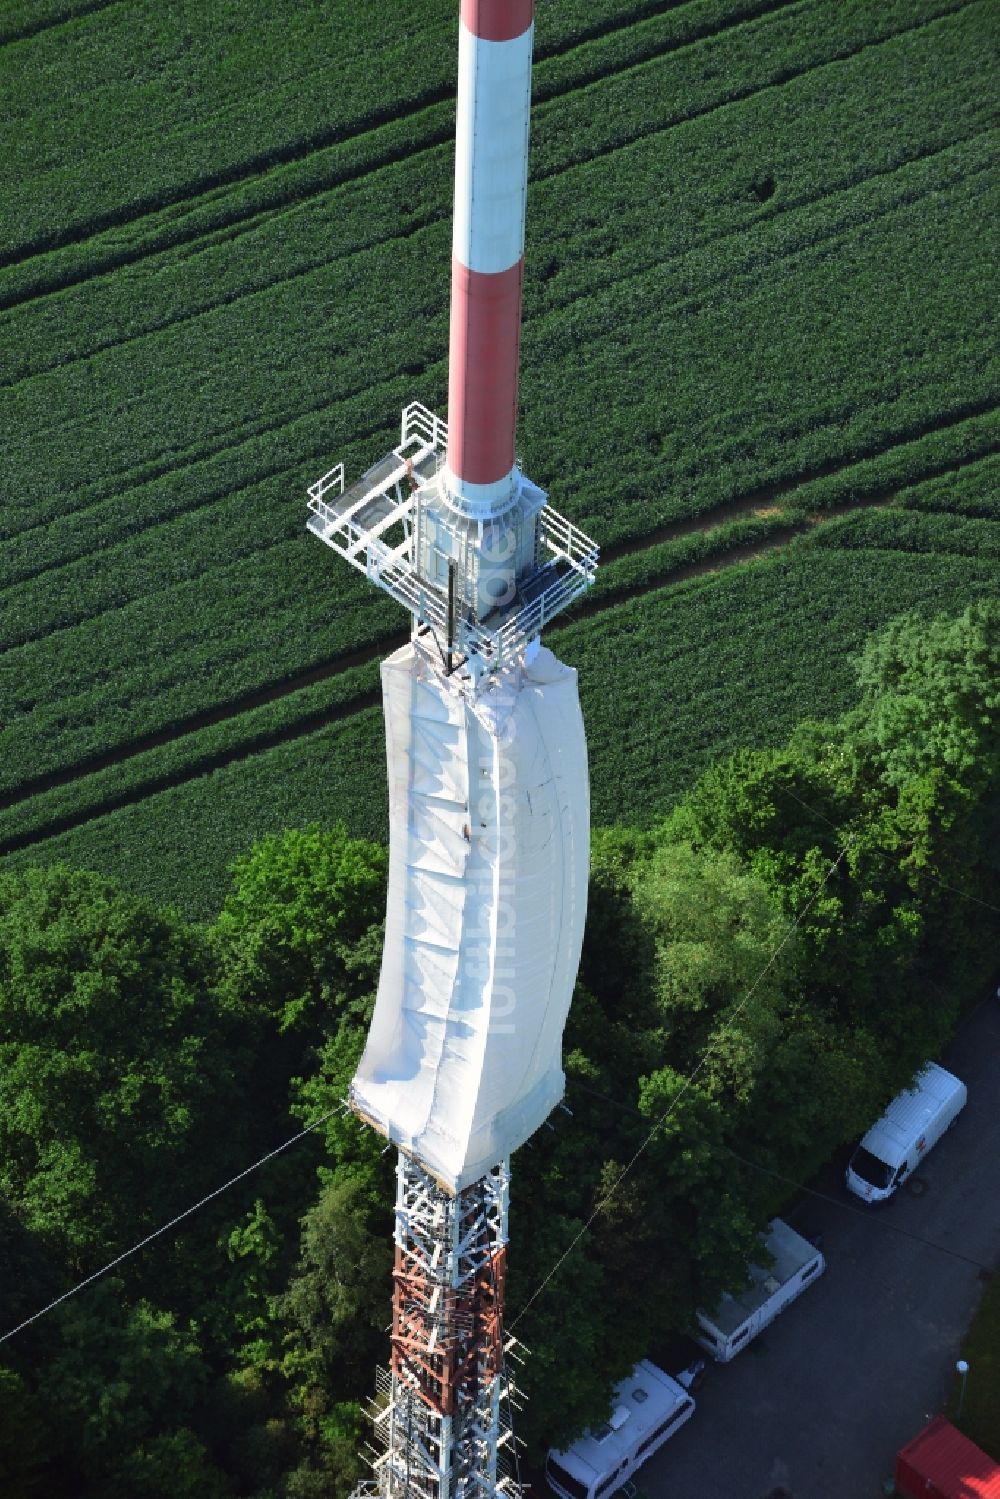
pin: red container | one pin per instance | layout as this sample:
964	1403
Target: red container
940	1463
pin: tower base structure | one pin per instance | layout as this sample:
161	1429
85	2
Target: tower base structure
441	1414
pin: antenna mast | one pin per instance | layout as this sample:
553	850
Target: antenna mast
488	811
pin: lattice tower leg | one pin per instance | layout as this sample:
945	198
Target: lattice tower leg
441	1422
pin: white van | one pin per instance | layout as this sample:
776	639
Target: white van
913	1123
649	1407
739	1318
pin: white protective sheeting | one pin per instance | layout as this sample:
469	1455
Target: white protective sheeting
488	867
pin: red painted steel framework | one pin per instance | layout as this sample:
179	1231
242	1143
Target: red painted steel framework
447	1346
442	1414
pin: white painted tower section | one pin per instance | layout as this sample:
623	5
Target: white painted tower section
491	176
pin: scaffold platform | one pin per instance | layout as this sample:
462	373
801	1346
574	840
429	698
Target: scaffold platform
373	525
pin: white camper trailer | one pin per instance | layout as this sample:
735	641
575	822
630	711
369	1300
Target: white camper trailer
912	1124
649	1407
740	1318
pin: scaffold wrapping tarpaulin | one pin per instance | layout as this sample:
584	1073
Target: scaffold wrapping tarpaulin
488	867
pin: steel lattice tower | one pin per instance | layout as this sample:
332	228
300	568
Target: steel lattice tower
488	811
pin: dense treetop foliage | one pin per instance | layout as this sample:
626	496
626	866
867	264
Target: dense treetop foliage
761	972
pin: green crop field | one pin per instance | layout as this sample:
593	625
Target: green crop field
757	321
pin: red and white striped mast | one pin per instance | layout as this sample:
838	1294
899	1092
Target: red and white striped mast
488	810
491	187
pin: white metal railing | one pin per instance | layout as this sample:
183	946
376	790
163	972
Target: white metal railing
357	539
392	567
333	479
395	573
425	425
568	543
533	618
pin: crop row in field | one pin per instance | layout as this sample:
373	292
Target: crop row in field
934	534
747	329
80	791
202	479
166	104
969	489
140	771
787	509
323	335
836	352
80	693
21	19
146	771
241	377
71	699
162	101
405	178
740	658
563	59
240	520
972	491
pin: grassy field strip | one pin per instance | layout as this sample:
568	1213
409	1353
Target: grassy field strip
195	53
777	514
99	528
256	637
60	403
953	451
227	267
137	770
811	509
240	525
91	794
392	198
803	211
374	412
67	693
260	106
193	824
299	448
758	671
23	19
210	95
428	182
223	209
61	502
88	690
673	102
980	1413
720	534
953	494
872	344
741	657
231	334
54	334
123	783
79	693
722	73
911	531
224	212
